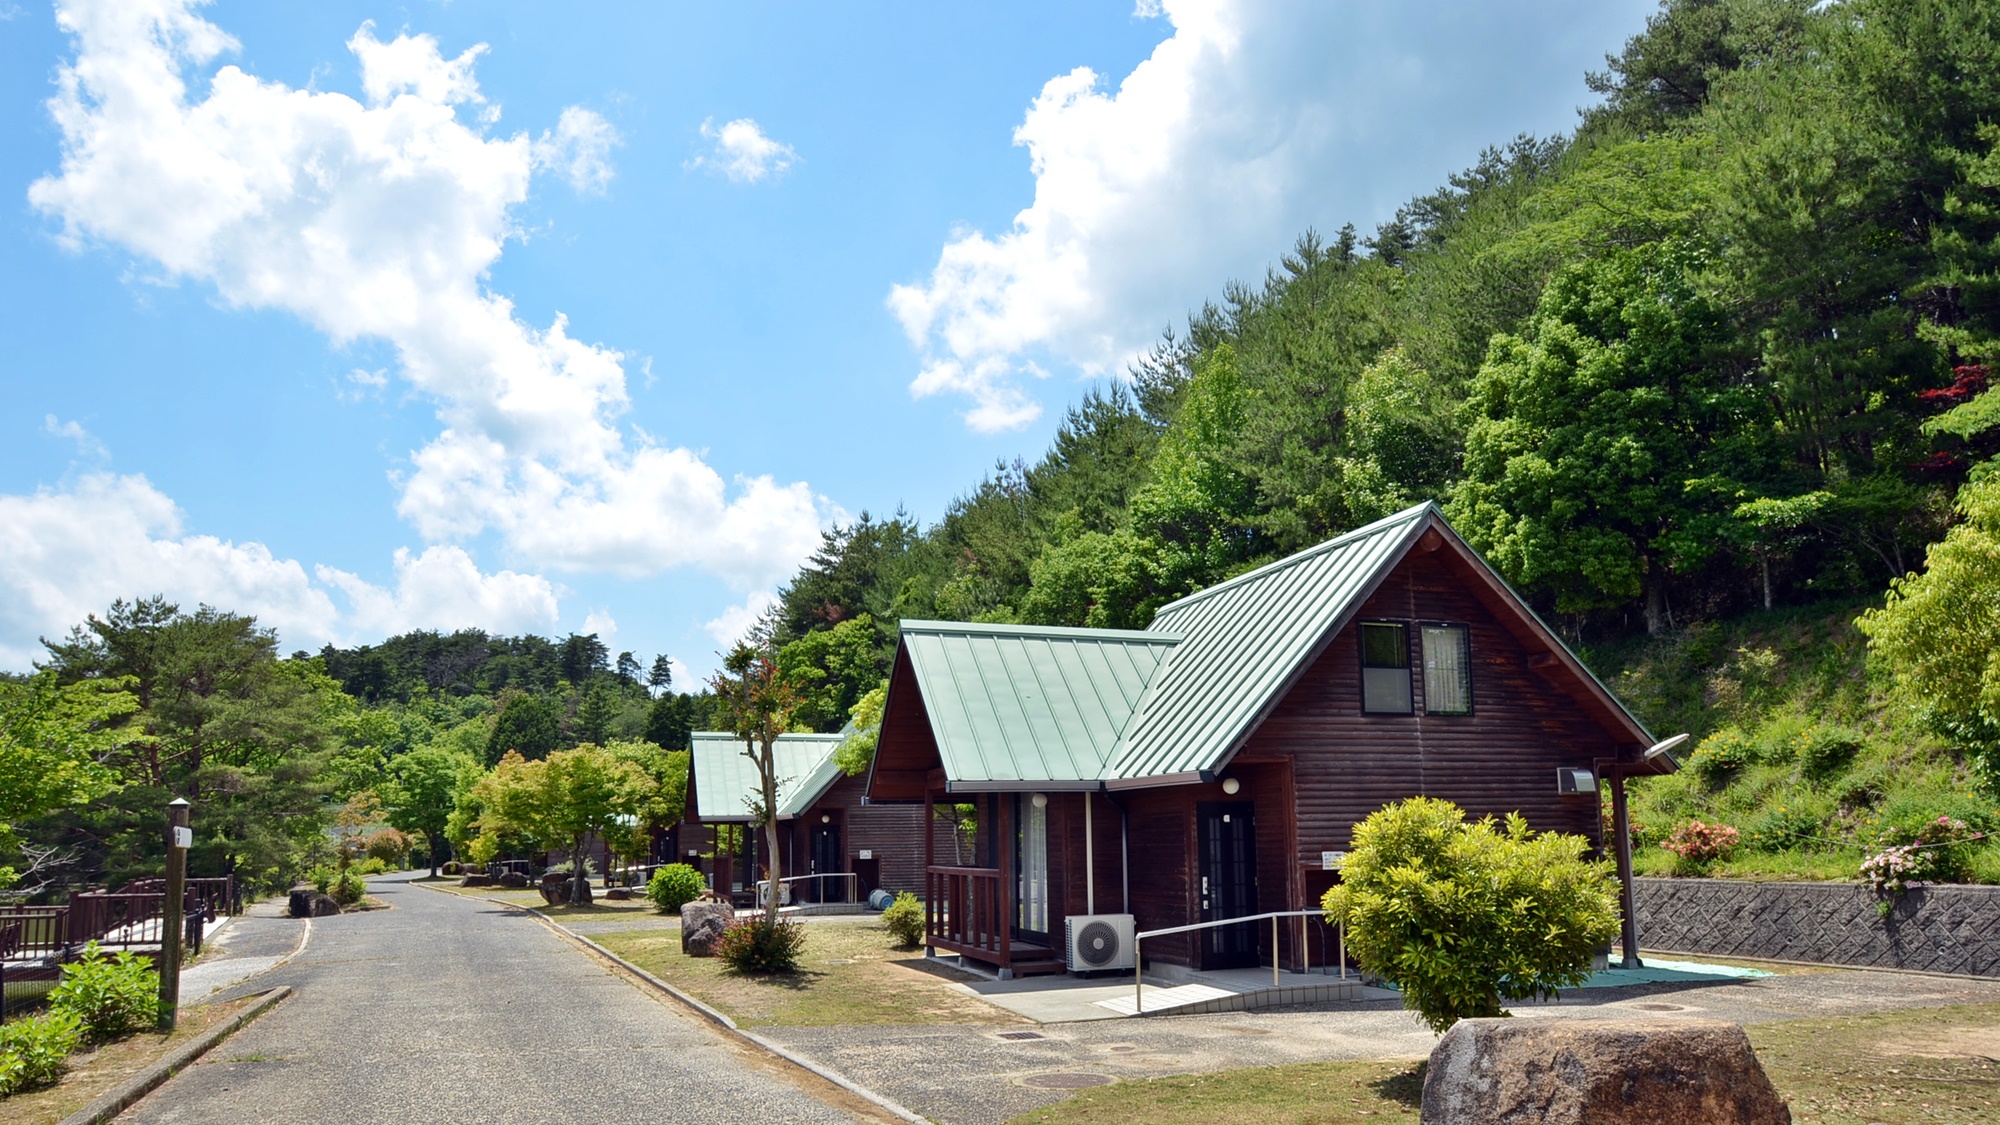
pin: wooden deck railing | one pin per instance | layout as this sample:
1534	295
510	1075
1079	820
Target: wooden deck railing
966	911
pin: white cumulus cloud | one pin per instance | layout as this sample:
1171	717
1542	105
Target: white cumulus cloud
67	553
1254	120
740	151
580	148
380	220
734	623
87	444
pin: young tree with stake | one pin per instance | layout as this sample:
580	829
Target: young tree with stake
760	703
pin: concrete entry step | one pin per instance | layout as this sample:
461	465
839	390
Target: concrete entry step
1227	992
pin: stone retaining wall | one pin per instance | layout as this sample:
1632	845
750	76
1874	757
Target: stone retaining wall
1943	929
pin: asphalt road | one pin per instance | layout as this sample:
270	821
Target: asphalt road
445	1009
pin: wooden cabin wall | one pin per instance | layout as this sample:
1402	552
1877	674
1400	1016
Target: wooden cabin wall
1499	759
1163	862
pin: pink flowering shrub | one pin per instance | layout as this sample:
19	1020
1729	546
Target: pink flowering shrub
1938	850
1696	845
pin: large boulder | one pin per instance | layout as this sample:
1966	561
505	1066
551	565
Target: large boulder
513	880
476	880
308	902
701	924
1598	1072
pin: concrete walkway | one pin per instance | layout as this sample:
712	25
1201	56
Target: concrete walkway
236	949
450	1009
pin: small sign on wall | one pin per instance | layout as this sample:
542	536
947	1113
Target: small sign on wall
183	837
1331	861
867	853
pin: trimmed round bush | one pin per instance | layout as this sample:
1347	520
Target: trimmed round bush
905	920
674	886
35	1052
109	996
758	946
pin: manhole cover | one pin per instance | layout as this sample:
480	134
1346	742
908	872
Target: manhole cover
1659	1007
1065	1081
1022	1035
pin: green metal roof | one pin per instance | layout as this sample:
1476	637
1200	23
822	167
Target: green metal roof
1242	641
1029	704
725	779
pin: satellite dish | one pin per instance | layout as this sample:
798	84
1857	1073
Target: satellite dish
1665	746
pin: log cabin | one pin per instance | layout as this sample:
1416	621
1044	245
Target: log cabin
1213	765
825	827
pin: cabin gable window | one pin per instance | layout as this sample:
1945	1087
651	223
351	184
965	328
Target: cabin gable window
1385	668
1447	669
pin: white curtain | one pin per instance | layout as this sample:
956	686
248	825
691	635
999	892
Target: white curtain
1447	671
1033	891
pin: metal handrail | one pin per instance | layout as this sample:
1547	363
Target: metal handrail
762	883
1305	954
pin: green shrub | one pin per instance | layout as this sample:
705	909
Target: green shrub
905	919
674	886
1823	752
369	866
1462	916
322	878
35	1052
1721	754
759	946
1795	822
347	887
109	996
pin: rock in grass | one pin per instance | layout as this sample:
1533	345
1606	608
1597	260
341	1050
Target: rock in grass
1598	1072
701	924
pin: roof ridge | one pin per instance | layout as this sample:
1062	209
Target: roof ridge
1344	539
994	629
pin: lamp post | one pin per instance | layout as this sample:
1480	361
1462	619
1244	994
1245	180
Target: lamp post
179	837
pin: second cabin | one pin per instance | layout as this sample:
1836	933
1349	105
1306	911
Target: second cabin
1214	764
835	847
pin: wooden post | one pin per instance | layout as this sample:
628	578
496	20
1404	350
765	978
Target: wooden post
930	881
172	919
1003	804
1621	827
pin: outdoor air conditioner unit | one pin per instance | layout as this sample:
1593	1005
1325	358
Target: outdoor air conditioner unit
1095	942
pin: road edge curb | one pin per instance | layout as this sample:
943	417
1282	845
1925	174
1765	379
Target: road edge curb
711	1014
122	1097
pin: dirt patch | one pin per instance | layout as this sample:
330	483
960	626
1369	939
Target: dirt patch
92	1073
852	975
1948	1043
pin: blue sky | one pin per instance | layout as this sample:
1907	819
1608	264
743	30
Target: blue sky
367	317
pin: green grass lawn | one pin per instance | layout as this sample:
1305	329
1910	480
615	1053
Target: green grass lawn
851	974
1897	1068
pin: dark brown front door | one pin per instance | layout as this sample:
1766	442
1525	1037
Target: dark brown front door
1228	882
826	858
